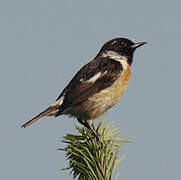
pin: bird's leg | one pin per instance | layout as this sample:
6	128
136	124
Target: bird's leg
88	124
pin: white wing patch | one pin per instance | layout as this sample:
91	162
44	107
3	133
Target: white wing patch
59	101
94	78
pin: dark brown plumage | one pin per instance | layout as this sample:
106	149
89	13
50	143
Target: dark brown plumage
78	91
97	86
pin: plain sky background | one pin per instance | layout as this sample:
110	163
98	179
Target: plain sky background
43	43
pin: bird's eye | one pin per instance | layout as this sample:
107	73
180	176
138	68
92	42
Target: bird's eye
123	43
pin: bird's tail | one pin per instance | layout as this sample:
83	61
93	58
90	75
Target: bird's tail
51	110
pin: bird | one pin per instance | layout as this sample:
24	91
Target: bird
97	86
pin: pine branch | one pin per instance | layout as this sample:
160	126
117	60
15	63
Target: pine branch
90	159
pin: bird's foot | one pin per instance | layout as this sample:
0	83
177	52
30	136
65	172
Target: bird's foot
88	124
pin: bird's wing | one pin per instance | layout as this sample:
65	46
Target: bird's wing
92	78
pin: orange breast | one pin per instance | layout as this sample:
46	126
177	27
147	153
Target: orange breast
102	101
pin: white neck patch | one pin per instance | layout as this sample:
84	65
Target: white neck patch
114	55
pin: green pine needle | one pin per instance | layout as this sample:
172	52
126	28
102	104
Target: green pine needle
90	159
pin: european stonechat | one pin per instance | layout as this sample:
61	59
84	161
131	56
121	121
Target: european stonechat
97	86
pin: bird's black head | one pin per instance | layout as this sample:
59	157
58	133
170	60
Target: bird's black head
122	46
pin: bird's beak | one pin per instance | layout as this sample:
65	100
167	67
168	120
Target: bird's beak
136	45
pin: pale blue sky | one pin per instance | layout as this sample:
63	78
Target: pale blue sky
42	45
